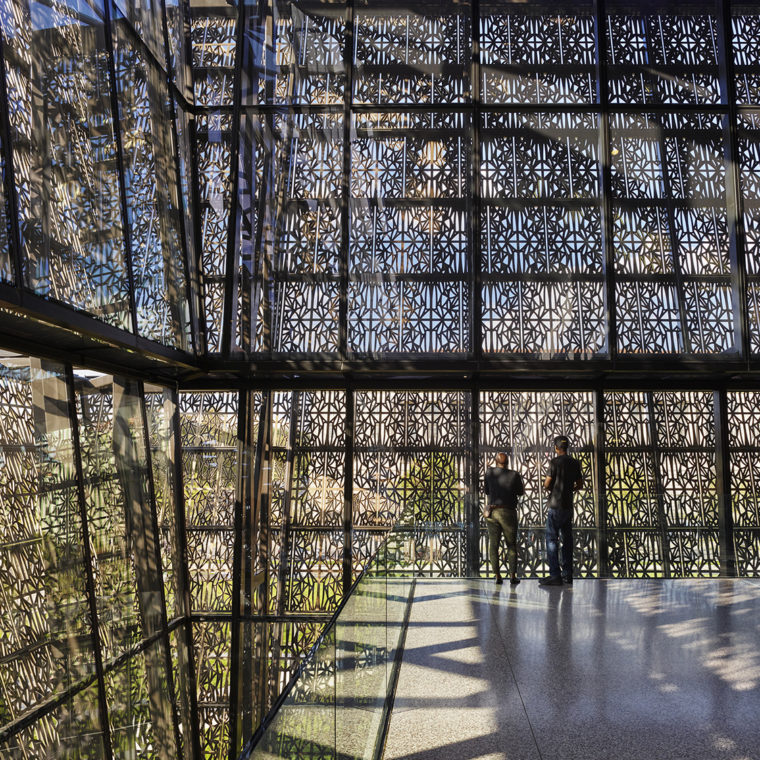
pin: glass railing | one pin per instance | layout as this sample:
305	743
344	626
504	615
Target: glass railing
338	703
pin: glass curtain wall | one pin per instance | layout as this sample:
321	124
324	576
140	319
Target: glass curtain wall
579	184
92	664
91	165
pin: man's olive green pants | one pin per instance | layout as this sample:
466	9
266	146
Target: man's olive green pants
502	520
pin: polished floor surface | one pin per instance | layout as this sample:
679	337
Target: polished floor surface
602	670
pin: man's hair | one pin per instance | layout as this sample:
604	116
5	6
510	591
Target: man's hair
562	442
501	458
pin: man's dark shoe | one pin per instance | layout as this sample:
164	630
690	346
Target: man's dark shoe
499	580
550	581
568	580
514	581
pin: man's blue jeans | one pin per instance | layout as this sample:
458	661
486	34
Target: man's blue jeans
559	522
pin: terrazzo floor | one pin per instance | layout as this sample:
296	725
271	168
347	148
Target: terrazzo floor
601	670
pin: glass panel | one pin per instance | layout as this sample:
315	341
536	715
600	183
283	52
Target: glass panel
211	649
745	31
65	156
410	469
538	52
153	191
409	227
525	425
181	654
418	57
214	30
147	19
214	155
361	678
123	541
71	731
305	724
139	706
307	485
337	706
541	235
662	501
663	52
177	22
45	639
297	57
744	454
209	431
670	234
160	410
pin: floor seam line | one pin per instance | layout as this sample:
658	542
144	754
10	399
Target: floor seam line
514	677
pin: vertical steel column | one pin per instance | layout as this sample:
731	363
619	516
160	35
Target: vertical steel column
159	567
195	182
345	188
232	275
109	37
734	206
254	671
286	502
192	742
602	546
661	517
88	562
242	504
9	179
348	493
608	248
190	272
475	262
723	485
472	512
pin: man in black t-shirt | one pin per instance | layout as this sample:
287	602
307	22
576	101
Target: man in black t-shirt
502	488
563	480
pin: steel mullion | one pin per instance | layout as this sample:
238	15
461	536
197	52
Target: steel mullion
602	546
348	491
734	200
287	501
194	191
89	566
475	258
472	512
662	529
109	32
232	274
190	277
183	581
608	246
242	492
159	567
260	526
723	484
345	193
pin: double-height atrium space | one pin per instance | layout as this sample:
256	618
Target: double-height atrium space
280	281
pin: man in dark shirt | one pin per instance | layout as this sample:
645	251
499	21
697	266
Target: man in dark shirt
502	488
563	480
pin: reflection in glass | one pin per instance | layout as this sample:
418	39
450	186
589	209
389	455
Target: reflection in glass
152	188
45	640
123	542
138	694
65	156
6	267
71	731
